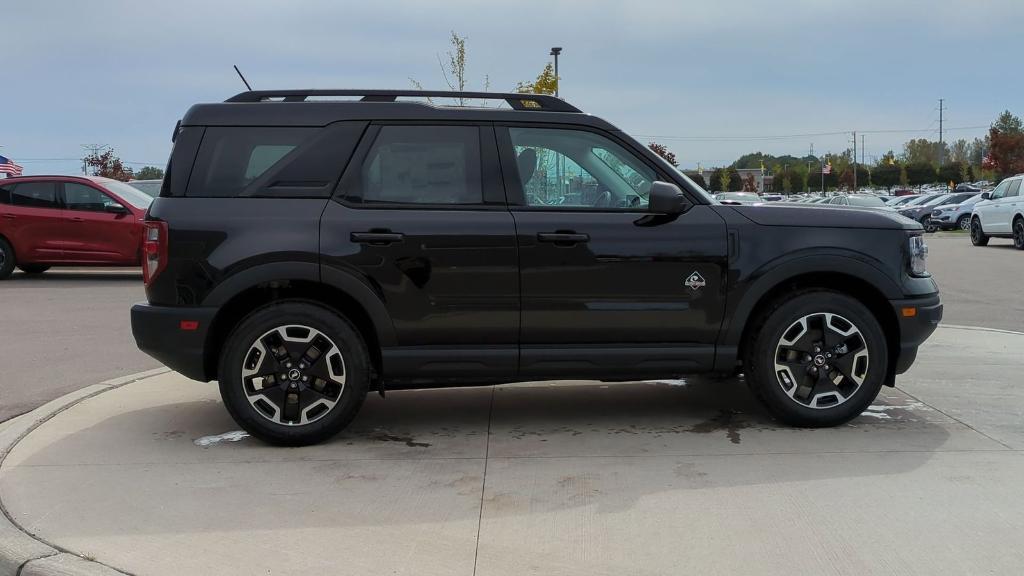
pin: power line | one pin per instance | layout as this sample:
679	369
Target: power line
806	135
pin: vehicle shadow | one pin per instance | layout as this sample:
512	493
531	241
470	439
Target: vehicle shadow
54	275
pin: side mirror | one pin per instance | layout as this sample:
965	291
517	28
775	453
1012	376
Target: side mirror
667	198
986	195
115	209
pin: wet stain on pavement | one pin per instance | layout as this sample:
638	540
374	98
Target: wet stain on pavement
725	420
408	440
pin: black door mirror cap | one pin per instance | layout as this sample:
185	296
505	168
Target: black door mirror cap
667	198
986	195
115	209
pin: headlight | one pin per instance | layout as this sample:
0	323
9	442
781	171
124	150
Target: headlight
918	252
936	212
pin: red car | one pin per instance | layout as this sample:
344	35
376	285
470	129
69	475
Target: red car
69	221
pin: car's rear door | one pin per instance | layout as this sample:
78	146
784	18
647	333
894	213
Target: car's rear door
98	228
420	217
34	221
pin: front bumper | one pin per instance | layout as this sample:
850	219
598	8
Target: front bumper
917	319
175	336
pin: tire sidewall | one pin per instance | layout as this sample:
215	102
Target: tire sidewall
7	268
335	327
762	363
978	237
1018	234
964	223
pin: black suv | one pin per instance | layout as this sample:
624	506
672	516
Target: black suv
310	246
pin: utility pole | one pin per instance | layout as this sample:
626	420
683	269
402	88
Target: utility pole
94	149
941	100
854	160
862	148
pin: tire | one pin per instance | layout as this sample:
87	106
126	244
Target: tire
978	236
33	268
7	260
285	334
840	386
1018	233
964	223
929	225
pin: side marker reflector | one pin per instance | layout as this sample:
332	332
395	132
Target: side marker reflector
909	312
189	325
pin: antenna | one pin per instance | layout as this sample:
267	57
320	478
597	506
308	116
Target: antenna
242	77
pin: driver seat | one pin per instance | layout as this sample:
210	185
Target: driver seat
527	163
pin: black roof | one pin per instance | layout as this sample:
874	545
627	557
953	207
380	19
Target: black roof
294	108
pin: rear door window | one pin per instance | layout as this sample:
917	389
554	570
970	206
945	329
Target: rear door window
35	195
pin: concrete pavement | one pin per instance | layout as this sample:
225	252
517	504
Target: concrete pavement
566	478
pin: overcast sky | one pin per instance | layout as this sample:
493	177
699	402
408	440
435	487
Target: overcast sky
711	80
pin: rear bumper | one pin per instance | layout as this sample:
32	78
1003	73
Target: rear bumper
915	329
167	334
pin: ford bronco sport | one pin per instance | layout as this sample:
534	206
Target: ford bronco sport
310	246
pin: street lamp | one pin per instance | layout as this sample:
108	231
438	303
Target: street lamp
555	51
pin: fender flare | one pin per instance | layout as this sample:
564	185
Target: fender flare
342	281
777	272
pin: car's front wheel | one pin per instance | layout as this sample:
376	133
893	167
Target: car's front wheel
817	358
6	259
294	373
978	236
964	223
929	225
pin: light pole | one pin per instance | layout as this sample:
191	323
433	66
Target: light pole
555	51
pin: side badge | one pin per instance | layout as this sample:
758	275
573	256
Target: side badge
695	281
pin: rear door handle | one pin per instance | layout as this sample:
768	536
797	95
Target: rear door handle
77	219
377	238
564	238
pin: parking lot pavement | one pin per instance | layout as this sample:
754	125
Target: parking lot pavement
980	285
63	330
540	478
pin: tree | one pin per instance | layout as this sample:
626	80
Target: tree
662	151
735	181
1007	123
904	179
149	173
546	82
954	172
960	151
920	173
107	165
723	178
698	178
924	151
978	149
1006	146
749	183
454	71
887	175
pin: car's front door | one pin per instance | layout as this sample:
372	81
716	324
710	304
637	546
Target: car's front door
420	217
98	228
1004	208
988	210
34	220
608	289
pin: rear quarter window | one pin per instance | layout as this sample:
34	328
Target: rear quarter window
274	162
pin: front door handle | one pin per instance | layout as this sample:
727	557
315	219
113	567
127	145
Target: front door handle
382	238
563	238
11	216
77	219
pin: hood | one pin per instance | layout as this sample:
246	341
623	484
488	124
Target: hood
811	216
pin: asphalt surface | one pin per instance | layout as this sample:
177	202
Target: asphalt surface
70	328
64	330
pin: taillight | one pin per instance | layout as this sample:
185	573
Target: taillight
154	249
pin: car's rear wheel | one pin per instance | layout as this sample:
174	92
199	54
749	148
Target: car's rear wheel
817	358
6	259
33	268
1018	233
978	236
964	223
294	373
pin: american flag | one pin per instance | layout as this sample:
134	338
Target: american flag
7	166
827	169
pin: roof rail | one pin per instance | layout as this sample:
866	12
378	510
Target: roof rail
534	102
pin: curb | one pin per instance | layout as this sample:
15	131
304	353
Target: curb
21	553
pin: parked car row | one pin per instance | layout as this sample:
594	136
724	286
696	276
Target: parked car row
69	221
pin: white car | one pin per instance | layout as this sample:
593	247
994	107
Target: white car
1000	213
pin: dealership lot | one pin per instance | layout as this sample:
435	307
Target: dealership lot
590	478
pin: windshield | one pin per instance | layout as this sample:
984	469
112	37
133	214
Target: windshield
150	188
933	200
127	193
872	201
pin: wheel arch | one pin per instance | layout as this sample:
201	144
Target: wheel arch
339	291
847	275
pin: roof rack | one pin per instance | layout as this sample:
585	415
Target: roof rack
532	102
